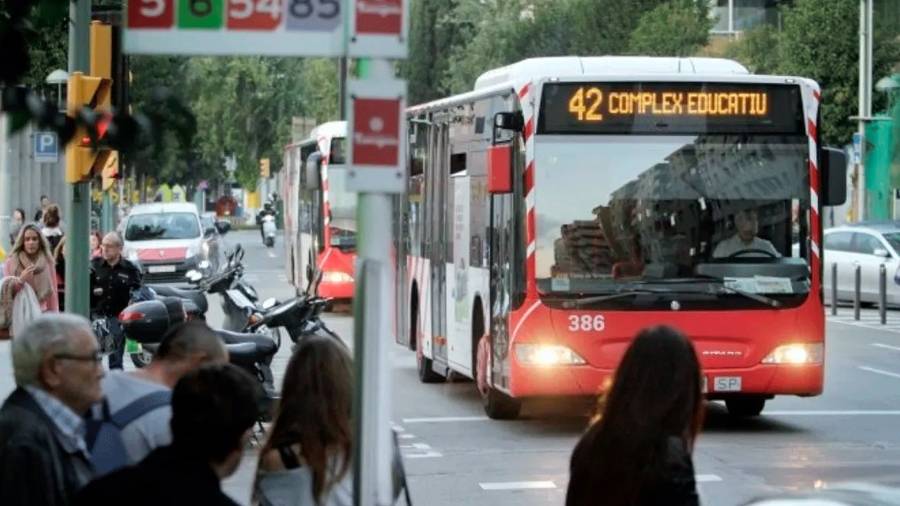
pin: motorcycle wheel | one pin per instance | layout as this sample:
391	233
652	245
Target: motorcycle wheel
142	359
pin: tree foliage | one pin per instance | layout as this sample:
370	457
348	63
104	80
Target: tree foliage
676	28
820	40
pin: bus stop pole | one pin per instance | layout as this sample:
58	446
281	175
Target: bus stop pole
373	450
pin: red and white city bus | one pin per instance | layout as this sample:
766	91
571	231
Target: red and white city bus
319	213
566	203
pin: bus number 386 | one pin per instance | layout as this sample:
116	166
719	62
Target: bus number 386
586	323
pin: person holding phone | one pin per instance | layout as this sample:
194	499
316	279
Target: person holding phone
32	262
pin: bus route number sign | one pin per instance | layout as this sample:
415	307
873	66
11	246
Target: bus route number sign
670	107
226	27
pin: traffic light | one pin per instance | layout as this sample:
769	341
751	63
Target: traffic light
84	92
264	168
88	101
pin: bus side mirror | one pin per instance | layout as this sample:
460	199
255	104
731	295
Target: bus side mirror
500	169
834	177
504	123
311	171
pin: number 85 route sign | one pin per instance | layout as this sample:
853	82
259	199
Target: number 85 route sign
235	27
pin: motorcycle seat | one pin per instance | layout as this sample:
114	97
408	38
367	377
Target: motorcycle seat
195	296
263	347
242	353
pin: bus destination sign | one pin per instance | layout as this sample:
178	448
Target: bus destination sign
661	108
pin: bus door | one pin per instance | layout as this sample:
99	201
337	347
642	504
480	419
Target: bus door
439	232
506	258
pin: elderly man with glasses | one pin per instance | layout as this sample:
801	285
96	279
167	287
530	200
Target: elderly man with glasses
43	456
112	280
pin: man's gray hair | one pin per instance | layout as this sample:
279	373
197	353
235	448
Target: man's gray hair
47	333
116	236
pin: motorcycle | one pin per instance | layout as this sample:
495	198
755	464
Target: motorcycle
146	322
269	229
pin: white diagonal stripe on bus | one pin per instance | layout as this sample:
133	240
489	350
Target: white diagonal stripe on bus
525	317
814	199
529	200
530	249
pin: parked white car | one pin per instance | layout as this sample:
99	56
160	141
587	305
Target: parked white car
869	246
165	239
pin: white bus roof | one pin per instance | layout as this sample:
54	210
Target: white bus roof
534	69
329	129
569	66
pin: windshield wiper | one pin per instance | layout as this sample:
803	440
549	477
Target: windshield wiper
594	299
762	299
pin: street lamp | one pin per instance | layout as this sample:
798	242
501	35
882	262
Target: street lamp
58	77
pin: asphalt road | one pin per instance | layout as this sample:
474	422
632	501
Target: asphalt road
454	455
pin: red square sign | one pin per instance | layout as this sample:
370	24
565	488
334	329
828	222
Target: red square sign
376	132
379	17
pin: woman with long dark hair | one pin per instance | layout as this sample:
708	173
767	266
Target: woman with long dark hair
307	456
637	451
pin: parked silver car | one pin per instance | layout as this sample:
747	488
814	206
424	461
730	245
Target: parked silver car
868	246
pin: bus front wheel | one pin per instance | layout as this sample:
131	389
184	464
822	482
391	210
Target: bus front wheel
500	406
745	406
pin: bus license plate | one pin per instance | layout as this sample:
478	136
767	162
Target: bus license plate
727	383
154	269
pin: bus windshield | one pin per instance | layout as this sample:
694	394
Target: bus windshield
641	212
343	209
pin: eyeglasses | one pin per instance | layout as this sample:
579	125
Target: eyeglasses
95	357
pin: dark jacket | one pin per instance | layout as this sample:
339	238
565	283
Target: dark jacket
111	286
35	467
165	477
675	486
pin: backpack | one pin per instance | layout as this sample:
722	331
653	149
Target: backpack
104	434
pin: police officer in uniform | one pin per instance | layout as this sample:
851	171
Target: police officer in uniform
112	280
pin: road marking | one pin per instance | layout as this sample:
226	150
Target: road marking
707	478
272	254
427	455
406	436
879	371
445	419
886	346
849	412
517	485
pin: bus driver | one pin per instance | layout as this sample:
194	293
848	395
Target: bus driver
745	239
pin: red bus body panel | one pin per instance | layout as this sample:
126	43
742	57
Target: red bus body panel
728	343
334	260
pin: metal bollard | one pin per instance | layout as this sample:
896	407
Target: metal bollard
834	290
882	294
856	289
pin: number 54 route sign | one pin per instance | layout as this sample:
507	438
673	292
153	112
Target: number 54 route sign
236	27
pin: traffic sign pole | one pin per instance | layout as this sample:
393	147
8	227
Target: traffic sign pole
79	194
377	144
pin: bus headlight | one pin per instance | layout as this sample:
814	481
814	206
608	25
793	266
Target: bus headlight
336	277
547	355
796	353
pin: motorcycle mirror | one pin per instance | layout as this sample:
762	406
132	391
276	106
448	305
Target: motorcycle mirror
269	303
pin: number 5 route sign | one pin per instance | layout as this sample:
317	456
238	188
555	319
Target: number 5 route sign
236	27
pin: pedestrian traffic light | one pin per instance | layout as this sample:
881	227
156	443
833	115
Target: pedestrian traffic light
264	168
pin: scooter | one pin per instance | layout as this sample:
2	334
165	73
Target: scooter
269	229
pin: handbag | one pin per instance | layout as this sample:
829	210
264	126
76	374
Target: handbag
25	309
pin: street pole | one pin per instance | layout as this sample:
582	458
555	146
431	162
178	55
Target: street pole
6	190
79	194
372	310
865	99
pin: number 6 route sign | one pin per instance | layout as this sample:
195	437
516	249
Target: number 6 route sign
236	27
